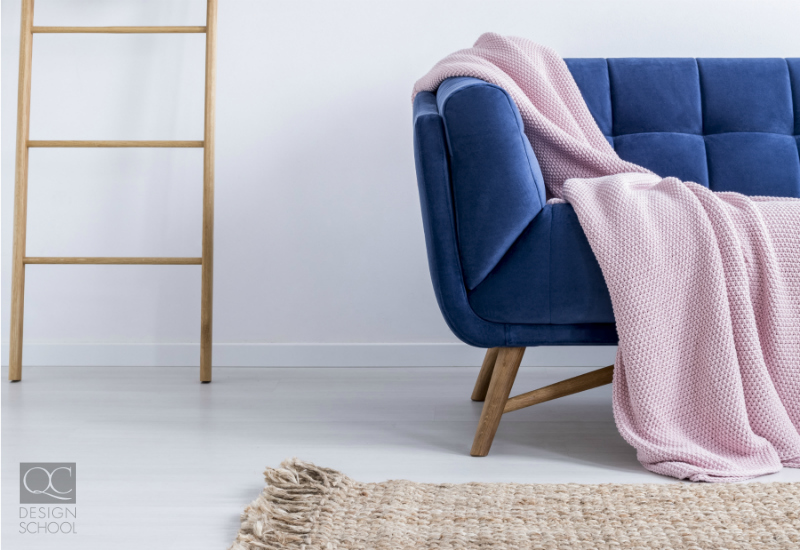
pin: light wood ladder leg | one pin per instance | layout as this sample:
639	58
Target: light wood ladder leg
505	371
485	376
207	285
21	193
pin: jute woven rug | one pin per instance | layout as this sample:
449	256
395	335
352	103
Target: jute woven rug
309	508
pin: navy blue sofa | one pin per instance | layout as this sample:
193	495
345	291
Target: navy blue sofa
511	271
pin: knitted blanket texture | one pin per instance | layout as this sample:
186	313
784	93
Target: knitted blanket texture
705	286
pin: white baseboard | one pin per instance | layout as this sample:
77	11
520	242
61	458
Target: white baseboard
299	355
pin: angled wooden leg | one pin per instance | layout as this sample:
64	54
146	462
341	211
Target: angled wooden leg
485	376
505	371
594	379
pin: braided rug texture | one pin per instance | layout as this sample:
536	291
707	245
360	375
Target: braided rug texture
307	507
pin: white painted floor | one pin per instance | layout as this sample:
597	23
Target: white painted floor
167	462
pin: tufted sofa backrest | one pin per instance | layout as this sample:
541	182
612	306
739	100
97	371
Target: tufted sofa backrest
728	124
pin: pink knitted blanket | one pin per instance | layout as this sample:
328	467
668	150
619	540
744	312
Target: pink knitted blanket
705	286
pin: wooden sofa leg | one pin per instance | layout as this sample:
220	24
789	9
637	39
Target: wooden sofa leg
588	381
485	376
505	371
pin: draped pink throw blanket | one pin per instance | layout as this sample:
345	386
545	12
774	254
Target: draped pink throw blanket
705	286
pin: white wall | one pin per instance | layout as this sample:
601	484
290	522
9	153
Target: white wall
318	231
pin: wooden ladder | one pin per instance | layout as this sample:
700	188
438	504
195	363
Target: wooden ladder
20	260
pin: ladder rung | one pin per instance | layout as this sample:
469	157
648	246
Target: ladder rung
115	261
118	30
123	143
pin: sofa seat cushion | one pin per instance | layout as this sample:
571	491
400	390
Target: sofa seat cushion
548	276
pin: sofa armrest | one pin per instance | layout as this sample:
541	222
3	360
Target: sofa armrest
497	184
438	220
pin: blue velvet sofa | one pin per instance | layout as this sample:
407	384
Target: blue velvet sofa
511	271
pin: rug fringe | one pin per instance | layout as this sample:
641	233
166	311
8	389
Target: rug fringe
287	512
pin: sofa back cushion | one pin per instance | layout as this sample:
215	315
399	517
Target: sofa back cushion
728	124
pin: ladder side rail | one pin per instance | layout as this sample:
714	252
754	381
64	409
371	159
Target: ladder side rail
207	281
21	192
